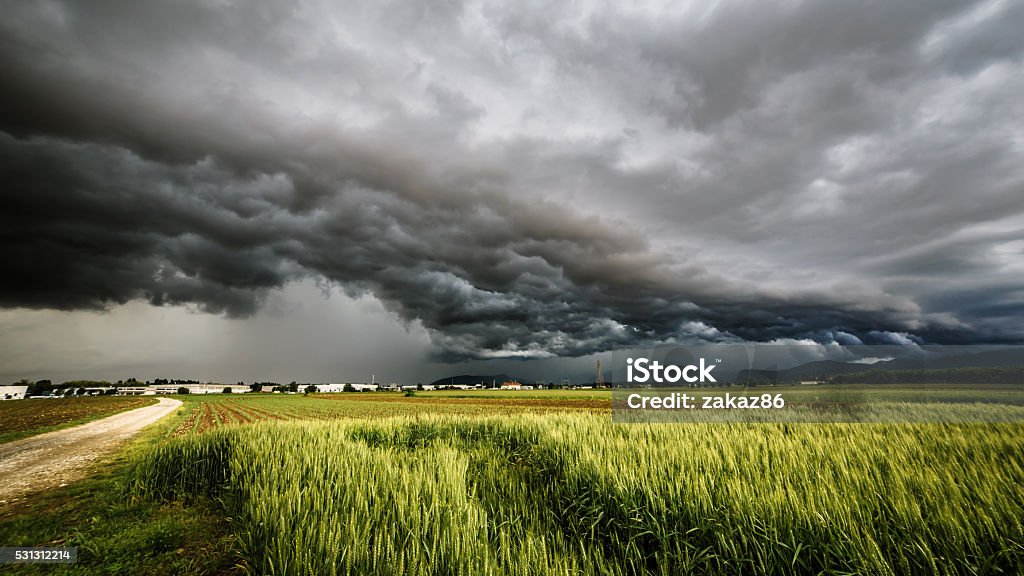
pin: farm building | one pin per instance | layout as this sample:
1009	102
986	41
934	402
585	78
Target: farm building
511	385
13	392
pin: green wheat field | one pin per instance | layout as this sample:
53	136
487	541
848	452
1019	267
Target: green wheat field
546	483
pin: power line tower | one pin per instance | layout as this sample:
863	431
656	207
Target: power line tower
599	381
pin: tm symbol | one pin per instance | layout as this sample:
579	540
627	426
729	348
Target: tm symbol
718	360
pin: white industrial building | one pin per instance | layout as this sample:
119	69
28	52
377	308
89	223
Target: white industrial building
13	392
164	389
418	387
335	387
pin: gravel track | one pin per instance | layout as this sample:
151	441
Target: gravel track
63	456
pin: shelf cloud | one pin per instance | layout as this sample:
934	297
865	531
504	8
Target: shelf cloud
543	181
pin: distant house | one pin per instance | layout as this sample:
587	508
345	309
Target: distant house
13	392
511	385
267	389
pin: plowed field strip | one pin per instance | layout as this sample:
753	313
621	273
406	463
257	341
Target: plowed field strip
207	420
261	414
556	403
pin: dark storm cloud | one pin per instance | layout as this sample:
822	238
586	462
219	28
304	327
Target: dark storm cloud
826	171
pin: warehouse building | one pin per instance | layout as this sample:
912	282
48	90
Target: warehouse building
13	392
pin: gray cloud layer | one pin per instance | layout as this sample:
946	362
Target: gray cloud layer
540	181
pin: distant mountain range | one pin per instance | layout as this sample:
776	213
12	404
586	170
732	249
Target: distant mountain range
820	369
823	369
472	379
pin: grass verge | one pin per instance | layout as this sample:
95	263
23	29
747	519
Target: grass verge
119	535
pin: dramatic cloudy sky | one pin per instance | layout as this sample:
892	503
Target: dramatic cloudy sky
325	190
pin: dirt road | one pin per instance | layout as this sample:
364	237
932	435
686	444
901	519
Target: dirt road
57	458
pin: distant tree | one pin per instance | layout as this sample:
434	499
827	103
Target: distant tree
293	387
183	390
226	390
311	389
349	387
419	386
410	393
34	389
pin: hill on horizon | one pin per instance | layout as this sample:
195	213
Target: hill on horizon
822	369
